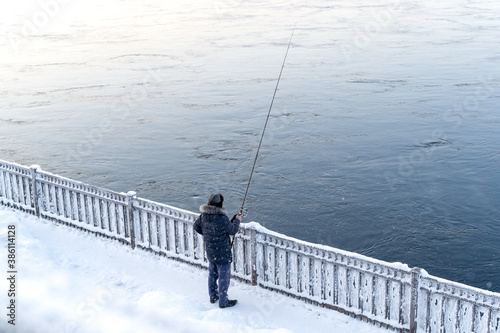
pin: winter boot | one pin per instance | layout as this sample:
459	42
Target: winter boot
229	304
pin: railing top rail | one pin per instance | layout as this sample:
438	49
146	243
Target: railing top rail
159	208
14	167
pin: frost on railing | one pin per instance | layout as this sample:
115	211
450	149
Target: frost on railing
358	285
244	254
389	294
167	230
82	205
446	306
15	186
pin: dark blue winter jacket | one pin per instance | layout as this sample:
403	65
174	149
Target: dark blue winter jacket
215	226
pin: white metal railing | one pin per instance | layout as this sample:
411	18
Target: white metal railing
389	294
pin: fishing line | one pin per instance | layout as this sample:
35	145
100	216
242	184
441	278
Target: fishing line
267	120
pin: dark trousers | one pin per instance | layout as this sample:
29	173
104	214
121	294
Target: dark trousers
223	274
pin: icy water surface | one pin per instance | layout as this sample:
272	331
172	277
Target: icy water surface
383	139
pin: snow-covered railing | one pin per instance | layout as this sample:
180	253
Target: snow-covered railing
446	306
388	294
371	289
88	207
16	186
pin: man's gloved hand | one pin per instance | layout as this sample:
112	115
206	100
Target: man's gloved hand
236	216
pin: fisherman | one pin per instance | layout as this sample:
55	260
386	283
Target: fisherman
216	228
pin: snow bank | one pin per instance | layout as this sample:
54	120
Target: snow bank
72	281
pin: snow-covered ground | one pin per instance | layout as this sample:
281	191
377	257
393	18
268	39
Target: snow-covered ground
72	281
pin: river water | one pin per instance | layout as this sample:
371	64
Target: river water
383	138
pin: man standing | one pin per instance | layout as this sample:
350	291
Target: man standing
216	228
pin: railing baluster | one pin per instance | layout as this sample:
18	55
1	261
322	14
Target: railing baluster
188	232
2	185
171	244
19	185
253	256
158	238
59	201
34	190
176	240
8	187
82	207
113	223
74	206
45	198
67	204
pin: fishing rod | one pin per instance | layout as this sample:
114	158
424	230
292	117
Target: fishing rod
267	120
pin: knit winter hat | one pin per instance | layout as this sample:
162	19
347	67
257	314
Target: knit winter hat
216	200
